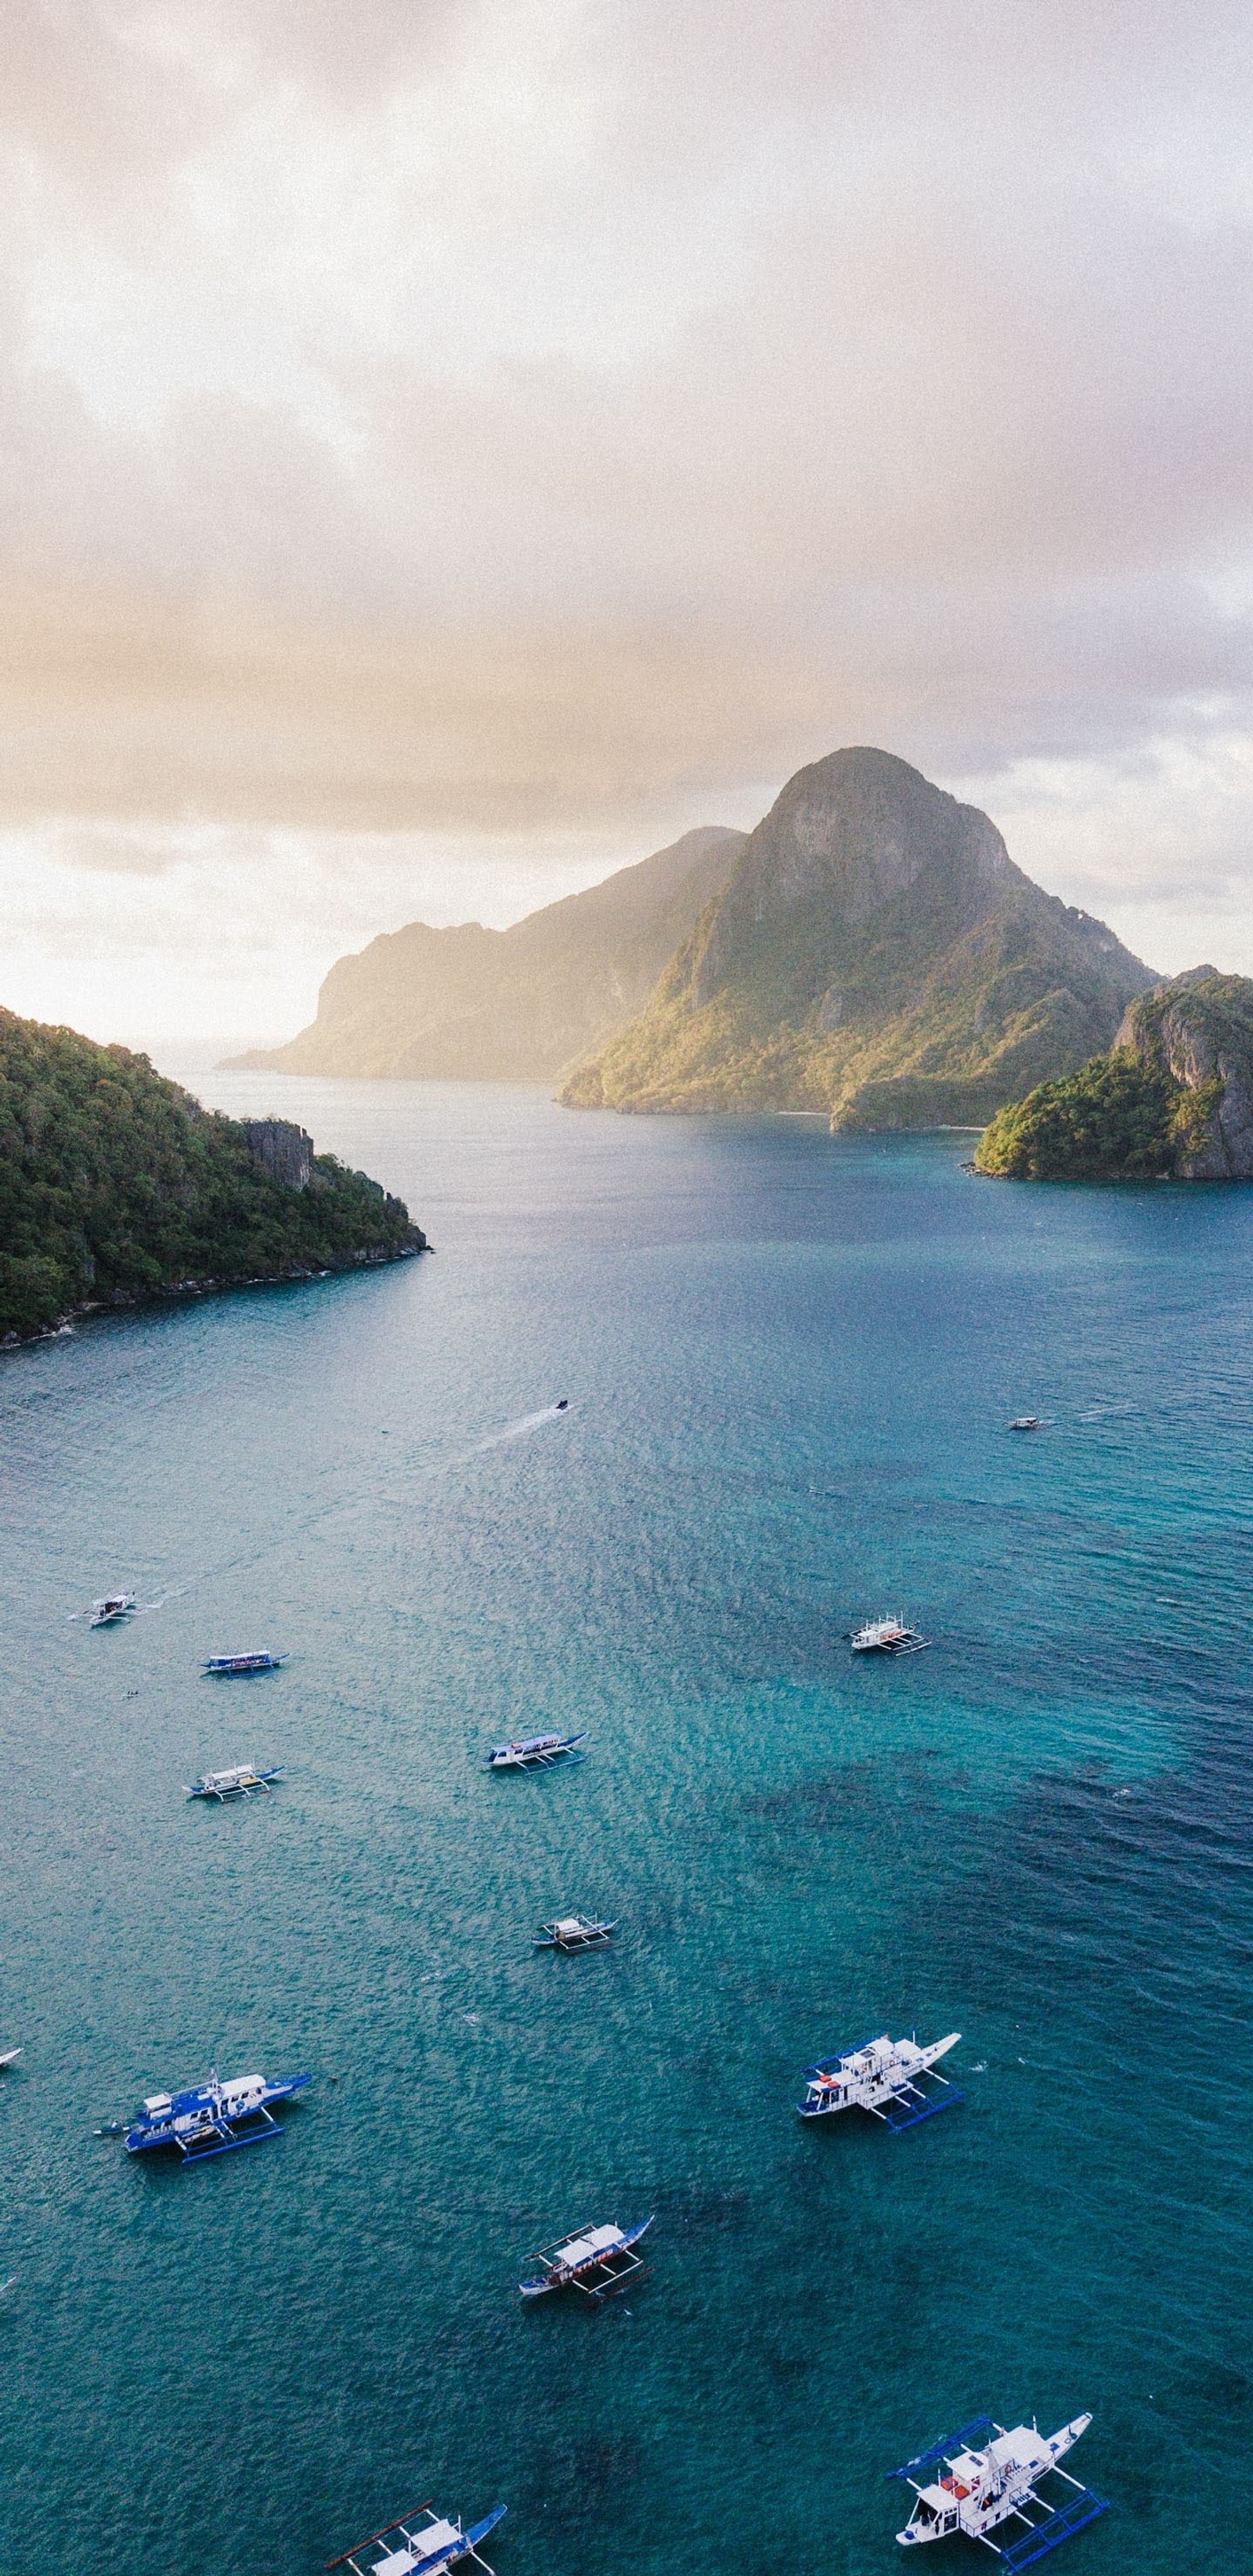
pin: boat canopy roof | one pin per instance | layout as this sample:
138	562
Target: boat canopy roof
425	2545
596	2240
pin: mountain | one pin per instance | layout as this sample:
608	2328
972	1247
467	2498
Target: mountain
1173	1100
518	1005
115	1185
876	955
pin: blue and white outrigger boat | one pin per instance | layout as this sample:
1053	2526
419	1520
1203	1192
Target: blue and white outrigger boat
412	2547
259	1659
987	2477
884	2076
239	1782
209	2119
529	1752
596	2260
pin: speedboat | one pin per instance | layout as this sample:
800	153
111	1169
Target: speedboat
573	1932
260	1659
115	1605
238	1782
9	2056
418	2547
986	2477
885	2076
887	1637
211	2118
525	1752
596	2260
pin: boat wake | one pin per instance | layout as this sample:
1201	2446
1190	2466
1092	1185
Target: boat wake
520	1430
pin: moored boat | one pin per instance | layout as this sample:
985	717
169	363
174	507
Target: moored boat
238	1782
115	1606
530	1752
209	2119
259	1659
419	2547
573	1932
885	2076
1025	1422
988	2477
596	2260
887	1637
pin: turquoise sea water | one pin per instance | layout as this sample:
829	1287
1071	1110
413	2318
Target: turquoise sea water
790	1360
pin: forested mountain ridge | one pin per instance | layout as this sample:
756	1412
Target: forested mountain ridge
517	1005
875	955
115	1185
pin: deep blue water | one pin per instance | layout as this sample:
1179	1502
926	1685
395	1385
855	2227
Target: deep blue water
790	1360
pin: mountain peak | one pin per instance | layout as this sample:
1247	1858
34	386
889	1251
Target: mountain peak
876	954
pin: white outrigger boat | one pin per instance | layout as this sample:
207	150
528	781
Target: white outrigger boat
115	1606
531	1752
239	1782
887	1637
989	2477
596	2260
573	1932
884	2076
415	2548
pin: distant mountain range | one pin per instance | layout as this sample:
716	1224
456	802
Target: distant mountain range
875	955
870	951
518	1005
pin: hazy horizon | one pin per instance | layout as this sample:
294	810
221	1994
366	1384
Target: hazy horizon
452	449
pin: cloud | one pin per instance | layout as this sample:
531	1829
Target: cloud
550	421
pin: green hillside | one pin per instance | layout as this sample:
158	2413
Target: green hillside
1173	1100
876	955
116	1185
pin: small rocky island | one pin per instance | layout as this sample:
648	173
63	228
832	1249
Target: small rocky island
116	1186
1173	1099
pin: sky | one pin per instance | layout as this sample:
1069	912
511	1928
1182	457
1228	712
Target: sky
450	447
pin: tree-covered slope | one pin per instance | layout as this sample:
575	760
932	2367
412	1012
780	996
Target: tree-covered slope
519	1005
116	1185
877	955
1173	1100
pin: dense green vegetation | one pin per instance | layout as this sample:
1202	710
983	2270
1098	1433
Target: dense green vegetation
115	1185
1117	1119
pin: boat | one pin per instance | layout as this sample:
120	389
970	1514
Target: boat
596	2260
9	2055
115	1606
527	1752
887	1637
573	1932
563	1404
413	2548
259	1660
209	2119
989	2477
1025	1422
884	2076
238	1782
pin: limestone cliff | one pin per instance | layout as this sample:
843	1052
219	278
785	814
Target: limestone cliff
1173	1099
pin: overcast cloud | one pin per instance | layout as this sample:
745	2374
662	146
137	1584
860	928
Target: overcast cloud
449	446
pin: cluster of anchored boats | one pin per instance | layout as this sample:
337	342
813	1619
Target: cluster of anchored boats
980	2480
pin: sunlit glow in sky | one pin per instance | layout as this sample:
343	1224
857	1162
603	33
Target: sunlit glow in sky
450	447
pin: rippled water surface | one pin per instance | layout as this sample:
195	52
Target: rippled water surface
790	1361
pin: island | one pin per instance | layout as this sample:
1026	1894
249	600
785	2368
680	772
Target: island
116	1186
1172	1100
